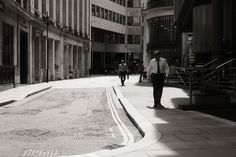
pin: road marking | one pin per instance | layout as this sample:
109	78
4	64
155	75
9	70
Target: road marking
126	134
40	153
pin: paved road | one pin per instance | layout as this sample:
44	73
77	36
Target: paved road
66	120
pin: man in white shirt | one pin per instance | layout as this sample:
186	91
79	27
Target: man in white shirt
158	69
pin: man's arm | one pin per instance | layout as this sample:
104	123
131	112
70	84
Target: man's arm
167	69
149	68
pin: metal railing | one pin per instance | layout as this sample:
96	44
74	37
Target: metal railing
220	79
7	75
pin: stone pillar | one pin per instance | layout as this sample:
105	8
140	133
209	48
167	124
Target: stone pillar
31	49
67	13
78	16
40	7
54	10
73	12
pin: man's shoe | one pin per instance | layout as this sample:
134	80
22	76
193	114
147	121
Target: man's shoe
159	107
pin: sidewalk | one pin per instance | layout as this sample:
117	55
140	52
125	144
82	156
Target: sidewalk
167	133
183	133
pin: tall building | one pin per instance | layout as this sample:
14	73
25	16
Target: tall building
212	24
45	39
116	28
159	31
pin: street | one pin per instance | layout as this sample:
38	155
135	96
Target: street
68	119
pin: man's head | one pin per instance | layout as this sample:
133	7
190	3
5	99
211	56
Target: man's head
156	54
122	61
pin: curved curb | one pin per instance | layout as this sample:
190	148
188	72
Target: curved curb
150	134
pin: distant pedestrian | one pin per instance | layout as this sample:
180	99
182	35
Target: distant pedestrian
158	69
140	68
122	70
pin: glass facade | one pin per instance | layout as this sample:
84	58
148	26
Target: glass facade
162	29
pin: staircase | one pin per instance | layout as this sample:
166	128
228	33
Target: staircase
213	83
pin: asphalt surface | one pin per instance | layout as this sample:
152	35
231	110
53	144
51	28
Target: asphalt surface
170	132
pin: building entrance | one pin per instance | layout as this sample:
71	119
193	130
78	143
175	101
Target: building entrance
23	57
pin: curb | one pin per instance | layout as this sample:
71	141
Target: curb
36	92
4	103
150	134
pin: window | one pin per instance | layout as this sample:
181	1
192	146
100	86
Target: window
136	39
110	15
136	21
130	39
8	45
130	3
130	20
106	14
102	13
97	11
133	21
93	10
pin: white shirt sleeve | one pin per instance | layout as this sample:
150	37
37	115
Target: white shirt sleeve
149	69
167	70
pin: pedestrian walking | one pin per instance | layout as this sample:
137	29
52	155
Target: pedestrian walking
122	71
140	68
158	69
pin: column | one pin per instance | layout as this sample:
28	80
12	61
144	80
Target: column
47	6
61	11
31	64
78	16
83	16
54	9
72	16
88	18
40	7
32	6
67	13
52	60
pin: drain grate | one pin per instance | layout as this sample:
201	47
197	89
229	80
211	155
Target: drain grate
113	146
40	153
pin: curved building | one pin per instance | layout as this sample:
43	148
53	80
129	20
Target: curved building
159	31
116	30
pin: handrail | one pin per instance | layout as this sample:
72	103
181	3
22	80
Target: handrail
220	67
225	63
214	60
178	74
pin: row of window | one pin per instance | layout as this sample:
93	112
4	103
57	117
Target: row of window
121	2
133	39
162	28
159	3
108	15
128	3
55	16
133	21
114	17
99	35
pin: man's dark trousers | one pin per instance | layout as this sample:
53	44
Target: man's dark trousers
122	77
157	83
